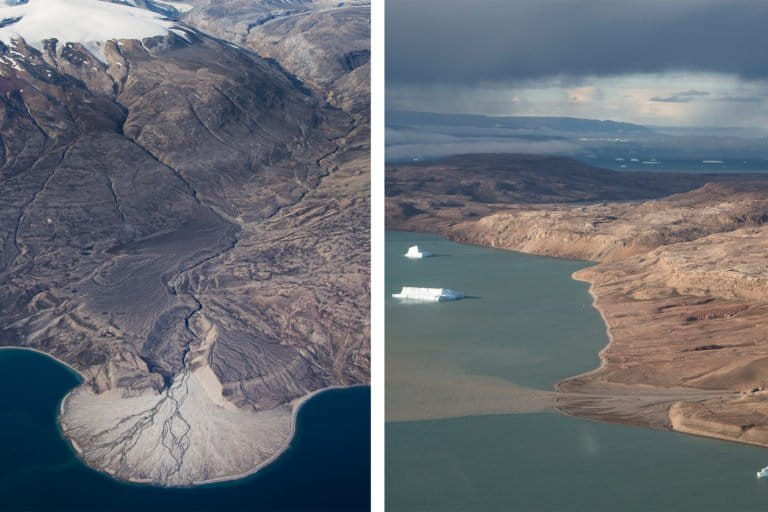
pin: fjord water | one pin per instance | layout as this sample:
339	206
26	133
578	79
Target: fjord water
325	468
529	323
525	319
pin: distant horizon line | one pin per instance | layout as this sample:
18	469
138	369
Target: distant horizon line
528	116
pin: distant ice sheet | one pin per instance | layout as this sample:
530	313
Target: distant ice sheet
88	22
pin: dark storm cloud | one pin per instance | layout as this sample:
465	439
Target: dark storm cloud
672	99
464	42
680	97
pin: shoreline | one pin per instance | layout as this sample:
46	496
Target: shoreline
295	405
663	397
638	424
63	363
601	353
299	403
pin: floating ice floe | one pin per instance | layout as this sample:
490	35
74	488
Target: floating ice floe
428	294
414	253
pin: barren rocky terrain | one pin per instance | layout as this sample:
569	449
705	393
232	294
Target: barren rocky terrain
185	224
326	44
682	280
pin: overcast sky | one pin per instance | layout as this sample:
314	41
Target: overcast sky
663	62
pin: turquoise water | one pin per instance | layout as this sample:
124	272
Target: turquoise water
552	462
327	466
509	327
531	324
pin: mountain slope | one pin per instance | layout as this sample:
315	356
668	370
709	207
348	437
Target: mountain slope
324	43
170	229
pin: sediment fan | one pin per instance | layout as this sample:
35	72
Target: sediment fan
165	231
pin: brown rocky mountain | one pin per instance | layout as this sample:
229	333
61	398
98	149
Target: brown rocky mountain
324	43
186	224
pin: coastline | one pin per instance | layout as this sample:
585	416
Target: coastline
647	402
601	354
299	403
63	363
295	405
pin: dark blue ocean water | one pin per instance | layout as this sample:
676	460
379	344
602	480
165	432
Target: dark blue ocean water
327	466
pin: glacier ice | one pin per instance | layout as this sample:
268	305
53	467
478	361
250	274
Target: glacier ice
89	22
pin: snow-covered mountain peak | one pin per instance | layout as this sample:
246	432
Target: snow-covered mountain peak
88	22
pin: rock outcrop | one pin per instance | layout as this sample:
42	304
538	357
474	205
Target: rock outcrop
611	231
324	43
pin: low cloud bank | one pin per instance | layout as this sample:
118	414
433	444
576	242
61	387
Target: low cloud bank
409	144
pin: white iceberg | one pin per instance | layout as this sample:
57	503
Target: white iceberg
428	294
414	253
